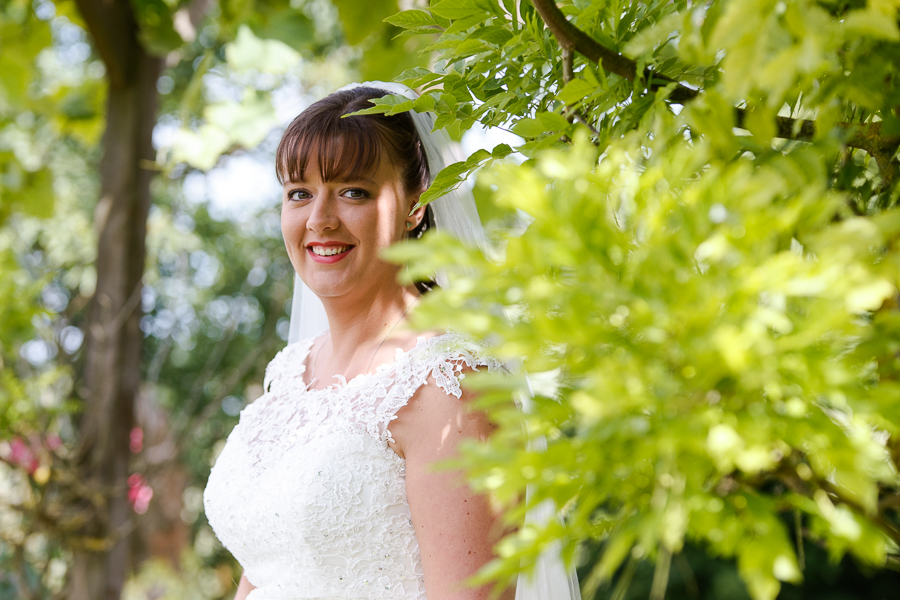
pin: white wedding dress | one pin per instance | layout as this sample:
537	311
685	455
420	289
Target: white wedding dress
308	496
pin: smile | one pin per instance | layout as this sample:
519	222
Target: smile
328	250
326	255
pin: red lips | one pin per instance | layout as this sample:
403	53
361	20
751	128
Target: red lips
327	254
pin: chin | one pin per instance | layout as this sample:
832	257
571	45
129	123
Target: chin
331	287
327	289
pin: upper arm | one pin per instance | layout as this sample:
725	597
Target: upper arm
455	528
244	588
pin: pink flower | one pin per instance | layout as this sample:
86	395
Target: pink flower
139	493
23	455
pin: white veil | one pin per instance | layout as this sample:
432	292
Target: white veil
457	214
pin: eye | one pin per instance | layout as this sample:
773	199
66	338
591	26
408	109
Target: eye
298	195
356	194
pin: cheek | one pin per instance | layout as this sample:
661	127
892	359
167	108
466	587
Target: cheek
392	227
291	223
391	224
376	226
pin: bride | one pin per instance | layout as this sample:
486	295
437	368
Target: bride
326	488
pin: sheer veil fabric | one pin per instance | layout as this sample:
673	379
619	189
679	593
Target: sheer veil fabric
457	214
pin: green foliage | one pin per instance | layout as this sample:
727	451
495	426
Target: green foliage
708	314
358	17
453	175
25	185
41	102
156	20
248	52
192	581
228	124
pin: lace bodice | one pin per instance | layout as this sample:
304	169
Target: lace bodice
308	496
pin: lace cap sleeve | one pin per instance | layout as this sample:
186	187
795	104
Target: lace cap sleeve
444	357
447	356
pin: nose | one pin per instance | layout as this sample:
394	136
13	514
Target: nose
323	217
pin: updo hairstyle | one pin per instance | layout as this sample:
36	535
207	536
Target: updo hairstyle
348	148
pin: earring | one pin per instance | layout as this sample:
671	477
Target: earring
410	225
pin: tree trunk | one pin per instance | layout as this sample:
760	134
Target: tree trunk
113	335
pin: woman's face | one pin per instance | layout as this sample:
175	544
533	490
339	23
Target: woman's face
335	230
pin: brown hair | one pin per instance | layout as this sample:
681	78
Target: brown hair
351	147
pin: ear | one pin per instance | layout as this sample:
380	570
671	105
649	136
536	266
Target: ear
415	214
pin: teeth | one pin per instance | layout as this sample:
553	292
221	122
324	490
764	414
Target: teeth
329	251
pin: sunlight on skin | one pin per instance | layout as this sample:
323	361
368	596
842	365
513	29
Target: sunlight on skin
445	433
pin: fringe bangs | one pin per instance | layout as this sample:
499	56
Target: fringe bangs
341	148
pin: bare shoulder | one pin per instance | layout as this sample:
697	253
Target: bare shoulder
407	339
431	425
442	407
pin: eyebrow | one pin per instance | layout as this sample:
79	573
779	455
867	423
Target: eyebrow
354	180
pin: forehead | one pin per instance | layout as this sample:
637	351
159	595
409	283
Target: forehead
339	149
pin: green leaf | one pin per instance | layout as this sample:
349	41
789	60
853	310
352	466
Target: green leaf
466	48
871	23
529	128
761	123
453	175
478	157
465	23
501	151
247	123
649	38
619	546
460	9
424	103
201	148
414	74
248	52
410	19
26	192
390	105
553	121
495	34
448	178
575	91
418	77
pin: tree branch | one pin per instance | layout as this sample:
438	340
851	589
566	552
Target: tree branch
570	38
882	148
572	114
568	64
787	474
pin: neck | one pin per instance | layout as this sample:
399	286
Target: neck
358	324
